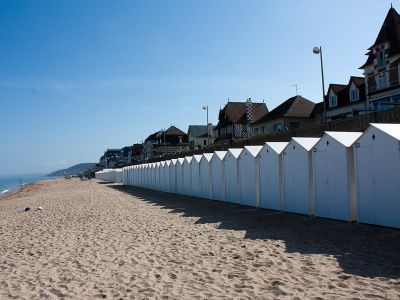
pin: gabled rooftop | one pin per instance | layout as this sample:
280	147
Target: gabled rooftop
220	154
207	156
391	129
253	150
235	151
347	139
296	106
277	147
306	142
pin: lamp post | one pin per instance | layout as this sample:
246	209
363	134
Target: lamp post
208	131
318	50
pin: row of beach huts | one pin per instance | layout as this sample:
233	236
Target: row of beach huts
349	176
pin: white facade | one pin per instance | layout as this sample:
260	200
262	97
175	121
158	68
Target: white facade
378	176
172	175
195	169
271	175
334	173
218	176
187	176
166	176
232	183
179	175
249	180
298	176
205	175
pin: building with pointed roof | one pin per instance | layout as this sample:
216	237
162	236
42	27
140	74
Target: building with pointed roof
295	112
235	118
345	100
381	70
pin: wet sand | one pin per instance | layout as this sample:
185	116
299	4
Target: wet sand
99	240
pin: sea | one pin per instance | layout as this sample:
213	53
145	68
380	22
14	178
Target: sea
11	183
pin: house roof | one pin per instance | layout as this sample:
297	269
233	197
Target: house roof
220	154
391	129
389	32
296	106
235	151
318	108
236	111
358	81
207	156
174	131
198	130
345	138
306	142
276	146
253	150
151	137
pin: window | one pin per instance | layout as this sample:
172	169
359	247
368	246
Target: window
332	101
205	142
354	95
382	81
381	60
278	127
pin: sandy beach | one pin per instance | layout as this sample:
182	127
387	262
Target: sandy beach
99	240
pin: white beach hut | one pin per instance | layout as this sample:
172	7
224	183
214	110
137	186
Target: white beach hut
205	175
218	175
378	175
161	184
179	175
334	173
249	176
271	175
156	185
187	176
172	175
166	175
147	176
298	175
232	184
195	167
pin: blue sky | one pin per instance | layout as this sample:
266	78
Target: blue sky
77	77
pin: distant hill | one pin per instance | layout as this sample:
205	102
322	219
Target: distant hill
77	169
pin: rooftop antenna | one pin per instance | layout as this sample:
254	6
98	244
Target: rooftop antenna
295	85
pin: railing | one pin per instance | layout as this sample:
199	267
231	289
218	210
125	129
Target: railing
357	123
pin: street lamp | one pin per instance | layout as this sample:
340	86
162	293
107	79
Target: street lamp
208	131
318	50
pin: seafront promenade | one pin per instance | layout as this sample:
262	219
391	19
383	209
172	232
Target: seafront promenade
99	240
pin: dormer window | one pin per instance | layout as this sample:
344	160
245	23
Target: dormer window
332	101
354	95
381	59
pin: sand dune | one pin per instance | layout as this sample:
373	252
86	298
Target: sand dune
97	240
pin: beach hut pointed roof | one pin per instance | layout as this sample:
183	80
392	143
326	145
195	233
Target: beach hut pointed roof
220	154
391	129
181	160
277	146
162	163
168	162
207	156
253	150
306	142
196	158
235	151
174	161
345	138
188	159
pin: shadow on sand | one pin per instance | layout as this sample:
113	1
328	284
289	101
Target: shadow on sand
362	250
